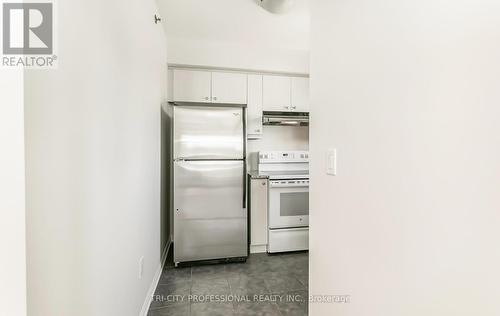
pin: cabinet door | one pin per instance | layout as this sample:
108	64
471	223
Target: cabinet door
276	93
258	212
254	110
229	88
191	85
300	94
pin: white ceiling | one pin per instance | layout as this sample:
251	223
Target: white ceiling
236	21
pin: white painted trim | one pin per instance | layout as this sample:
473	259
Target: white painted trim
258	248
238	70
156	279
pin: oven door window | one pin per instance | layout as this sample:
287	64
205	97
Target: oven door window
294	204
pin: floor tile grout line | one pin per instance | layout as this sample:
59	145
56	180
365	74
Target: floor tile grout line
285	293
229	287
278	308
230	292
191	290
280	260
306	286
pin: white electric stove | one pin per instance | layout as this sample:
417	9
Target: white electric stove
288	209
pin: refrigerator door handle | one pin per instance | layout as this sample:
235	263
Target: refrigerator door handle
244	184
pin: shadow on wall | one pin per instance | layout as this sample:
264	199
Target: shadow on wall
166	191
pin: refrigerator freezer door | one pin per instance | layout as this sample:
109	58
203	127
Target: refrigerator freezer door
209	219
208	132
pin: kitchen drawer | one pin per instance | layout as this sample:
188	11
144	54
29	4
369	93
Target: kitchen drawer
290	239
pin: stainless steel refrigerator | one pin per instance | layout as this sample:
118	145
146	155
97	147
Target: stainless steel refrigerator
209	173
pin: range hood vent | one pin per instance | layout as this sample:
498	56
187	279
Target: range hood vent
286	118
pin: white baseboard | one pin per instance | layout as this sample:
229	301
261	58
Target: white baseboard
258	248
156	279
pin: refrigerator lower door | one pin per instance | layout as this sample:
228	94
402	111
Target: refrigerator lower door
208	132
210	221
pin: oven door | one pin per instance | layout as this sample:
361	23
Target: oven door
288	204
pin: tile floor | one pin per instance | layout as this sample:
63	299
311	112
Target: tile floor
265	285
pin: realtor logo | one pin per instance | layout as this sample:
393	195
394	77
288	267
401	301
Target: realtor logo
28	34
27	28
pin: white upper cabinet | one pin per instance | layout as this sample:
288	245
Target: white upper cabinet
254	110
276	93
229	87
209	87
300	94
259	92
192	85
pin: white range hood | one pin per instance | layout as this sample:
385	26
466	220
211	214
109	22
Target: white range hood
285	118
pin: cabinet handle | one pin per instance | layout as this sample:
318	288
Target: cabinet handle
257	131
263	183
206	98
215	98
287	107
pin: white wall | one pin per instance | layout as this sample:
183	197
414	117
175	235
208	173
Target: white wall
237	34
251	56
408	93
12	195
277	138
93	161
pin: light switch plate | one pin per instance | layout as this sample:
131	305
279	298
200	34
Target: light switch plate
331	162
141	266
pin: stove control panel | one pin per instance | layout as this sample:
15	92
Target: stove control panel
283	156
289	183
